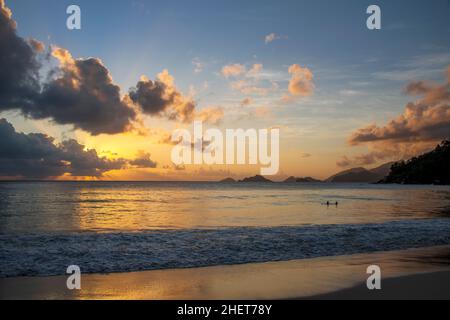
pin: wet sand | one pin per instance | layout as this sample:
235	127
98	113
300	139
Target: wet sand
426	286
415	273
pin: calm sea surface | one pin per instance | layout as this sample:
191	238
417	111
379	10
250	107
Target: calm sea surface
130	226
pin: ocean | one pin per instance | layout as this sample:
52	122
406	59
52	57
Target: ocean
106	227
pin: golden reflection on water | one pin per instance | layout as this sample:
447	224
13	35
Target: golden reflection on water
117	206
129	210
142	207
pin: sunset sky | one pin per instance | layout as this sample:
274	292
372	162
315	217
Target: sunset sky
342	95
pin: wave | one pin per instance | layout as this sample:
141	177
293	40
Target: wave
50	254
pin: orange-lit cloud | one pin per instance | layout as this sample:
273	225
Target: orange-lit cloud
427	119
422	125
6	11
251	83
38	46
301	82
246	102
212	115
233	70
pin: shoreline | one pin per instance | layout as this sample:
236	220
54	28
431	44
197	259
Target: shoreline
405	273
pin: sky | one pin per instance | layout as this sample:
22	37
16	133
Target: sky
342	95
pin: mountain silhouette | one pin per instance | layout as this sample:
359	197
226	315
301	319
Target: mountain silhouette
362	175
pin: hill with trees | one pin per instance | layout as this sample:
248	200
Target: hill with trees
430	168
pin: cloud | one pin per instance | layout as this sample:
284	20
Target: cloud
165	137
262	112
366	159
254	82
305	155
424	123
36	45
198	65
84	95
79	92
236	70
350	93
417	67
251	87
344	162
246	102
233	70
19	67
175	167
162	98
143	160
272	37
427	119
301	82
82	162
212	115
255	70
37	155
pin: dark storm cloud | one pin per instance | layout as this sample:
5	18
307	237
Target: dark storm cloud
87	162
84	95
19	83
79	92
160	97
150	96
143	160
28	155
37	156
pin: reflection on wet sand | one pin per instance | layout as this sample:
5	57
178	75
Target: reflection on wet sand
287	279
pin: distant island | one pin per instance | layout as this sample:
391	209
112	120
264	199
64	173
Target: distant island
257	178
228	180
430	168
301	180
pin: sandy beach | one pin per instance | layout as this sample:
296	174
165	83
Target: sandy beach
426	286
415	273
